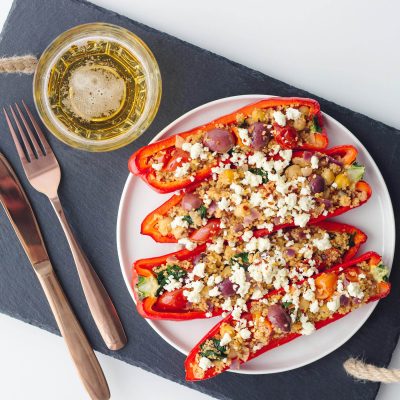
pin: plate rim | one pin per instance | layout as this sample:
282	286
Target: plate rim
131	177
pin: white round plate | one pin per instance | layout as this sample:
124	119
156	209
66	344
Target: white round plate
375	218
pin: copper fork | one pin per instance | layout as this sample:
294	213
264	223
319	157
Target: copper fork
43	172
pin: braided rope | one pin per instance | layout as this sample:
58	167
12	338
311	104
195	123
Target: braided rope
18	64
364	371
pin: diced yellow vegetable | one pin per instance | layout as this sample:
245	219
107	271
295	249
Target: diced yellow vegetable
342	181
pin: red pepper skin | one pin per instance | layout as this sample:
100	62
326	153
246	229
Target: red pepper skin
138	163
144	267
147	307
210	373
348	155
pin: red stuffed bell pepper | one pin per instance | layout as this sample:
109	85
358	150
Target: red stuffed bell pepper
283	316
160	283
178	161
310	187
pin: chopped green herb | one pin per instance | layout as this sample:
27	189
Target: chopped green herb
315	127
188	219
286	304
202	211
242	259
244	124
351	241
163	276
261	172
213	350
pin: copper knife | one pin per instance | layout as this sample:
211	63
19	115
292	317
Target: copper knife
23	220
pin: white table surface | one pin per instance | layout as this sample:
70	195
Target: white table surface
347	52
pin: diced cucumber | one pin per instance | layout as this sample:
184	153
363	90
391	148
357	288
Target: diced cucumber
147	286
356	172
380	273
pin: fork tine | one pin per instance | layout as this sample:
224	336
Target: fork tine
25	141
34	142
39	132
20	151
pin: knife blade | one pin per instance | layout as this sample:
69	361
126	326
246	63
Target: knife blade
20	214
23	220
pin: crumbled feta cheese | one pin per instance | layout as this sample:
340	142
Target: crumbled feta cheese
324	243
314	307
257	159
211	280
172	284
255	199
236	198
247	236
251	179
239	277
227	305
236	188
193	295
279	118
314	162
223	204
157	166
205	363
257	294
307	326
217	246
263	244
189	245
214	292
333	304
225	339
199	269
244	136
292	113
236	313
255	272
309	295
245	334
182	170
306	203
179	222
301	220
251	246
354	290
286	155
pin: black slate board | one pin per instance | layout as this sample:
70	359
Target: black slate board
91	189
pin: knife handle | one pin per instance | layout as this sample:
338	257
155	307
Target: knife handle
79	348
100	304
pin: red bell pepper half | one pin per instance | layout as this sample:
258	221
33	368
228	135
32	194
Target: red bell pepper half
171	156
347	155
382	290
173	305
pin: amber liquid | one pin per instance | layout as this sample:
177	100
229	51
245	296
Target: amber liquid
102	55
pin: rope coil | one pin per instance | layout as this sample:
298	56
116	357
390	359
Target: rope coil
18	64
369	372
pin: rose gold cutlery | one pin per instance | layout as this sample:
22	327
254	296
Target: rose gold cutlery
44	174
22	218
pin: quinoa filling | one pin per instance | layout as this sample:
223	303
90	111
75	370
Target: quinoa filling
256	191
256	131
229	274
295	311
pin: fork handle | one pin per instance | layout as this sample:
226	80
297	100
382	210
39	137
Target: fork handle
81	352
101	307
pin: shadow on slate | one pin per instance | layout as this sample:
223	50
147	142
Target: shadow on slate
91	189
